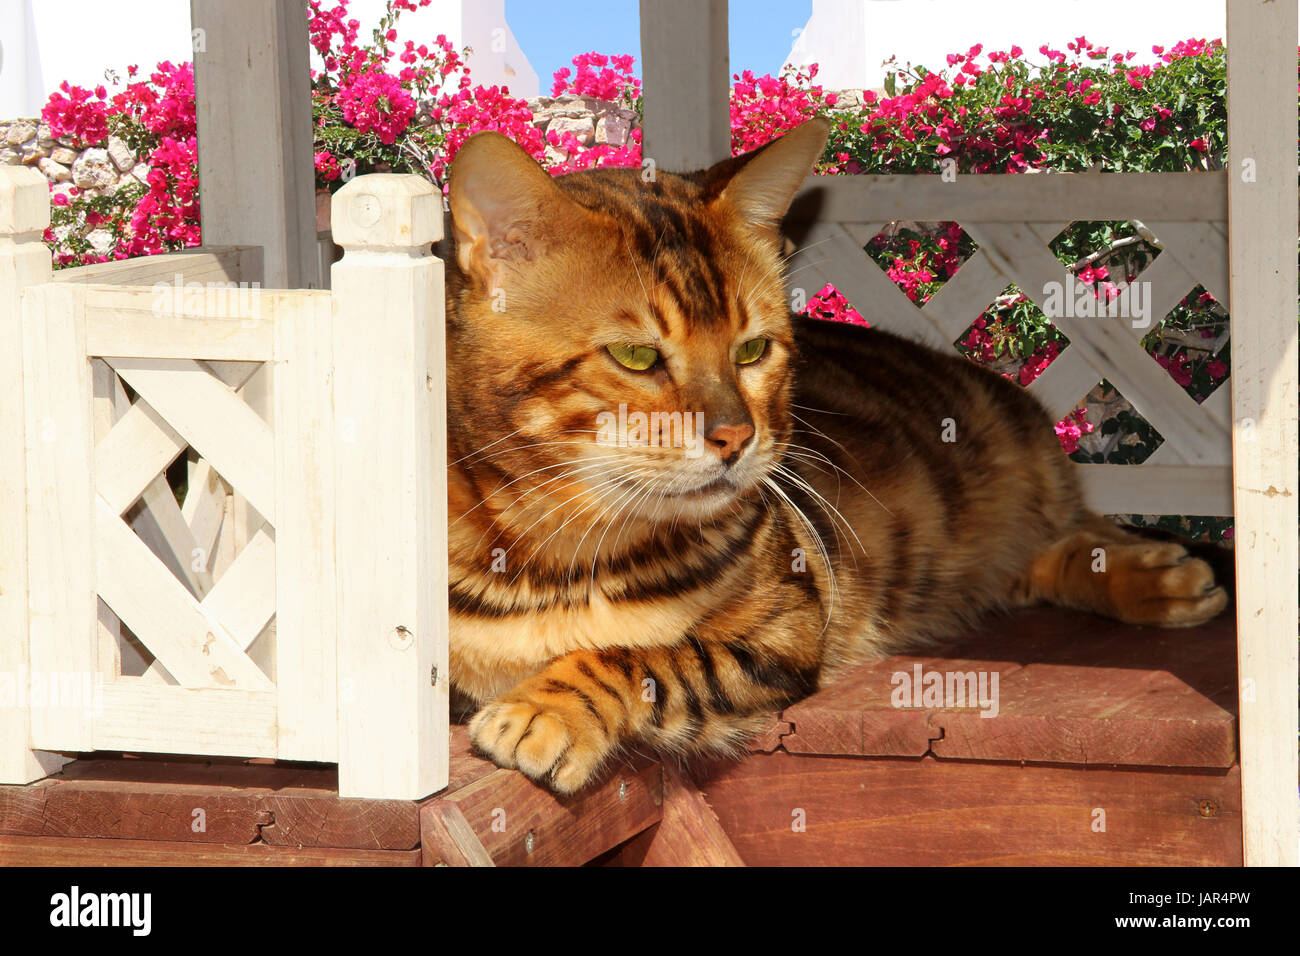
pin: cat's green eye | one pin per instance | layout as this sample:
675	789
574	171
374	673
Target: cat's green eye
751	351
636	357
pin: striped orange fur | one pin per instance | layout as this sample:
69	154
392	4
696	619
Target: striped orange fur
849	494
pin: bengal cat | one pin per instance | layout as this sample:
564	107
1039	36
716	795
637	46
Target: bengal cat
848	494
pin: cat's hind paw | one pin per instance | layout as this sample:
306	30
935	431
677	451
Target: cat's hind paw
1160	584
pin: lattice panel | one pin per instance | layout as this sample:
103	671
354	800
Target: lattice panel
1019	253
169	576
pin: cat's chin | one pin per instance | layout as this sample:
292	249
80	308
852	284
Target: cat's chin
698	504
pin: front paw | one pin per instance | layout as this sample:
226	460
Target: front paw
552	740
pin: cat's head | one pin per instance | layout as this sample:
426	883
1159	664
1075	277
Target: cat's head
626	329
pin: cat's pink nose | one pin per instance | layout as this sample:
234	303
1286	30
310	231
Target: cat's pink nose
730	440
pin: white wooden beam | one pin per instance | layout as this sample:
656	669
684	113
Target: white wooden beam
972	197
24	262
1262	199
686	83
390	509
253	101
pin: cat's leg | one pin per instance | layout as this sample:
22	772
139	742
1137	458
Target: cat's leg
560	725
1103	569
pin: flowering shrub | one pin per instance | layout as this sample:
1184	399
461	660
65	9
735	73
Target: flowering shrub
614	82
998	112
155	119
762	108
378	108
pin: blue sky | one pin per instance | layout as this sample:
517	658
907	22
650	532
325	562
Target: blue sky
552	32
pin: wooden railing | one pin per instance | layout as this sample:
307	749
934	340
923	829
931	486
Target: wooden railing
293	603
1012	220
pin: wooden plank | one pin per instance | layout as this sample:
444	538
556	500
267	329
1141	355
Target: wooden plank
1190	197
1262	261
24	262
769	738
195	648
1193	435
138	449
255	135
160	525
204	507
1065	383
139	716
447	839
1199	248
391	516
1153	489
684	57
786	810
1071	689
306	620
202	264
1023	258
211	418
129	810
55	851
161	322
60	546
831	251
689	833
519	823
244	600
963	298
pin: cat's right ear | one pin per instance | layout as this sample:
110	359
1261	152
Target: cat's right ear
501	203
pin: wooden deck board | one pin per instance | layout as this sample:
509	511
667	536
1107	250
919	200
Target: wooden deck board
1072	689
857	811
1093	718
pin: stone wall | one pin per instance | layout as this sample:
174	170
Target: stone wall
99	171
592	121
95	171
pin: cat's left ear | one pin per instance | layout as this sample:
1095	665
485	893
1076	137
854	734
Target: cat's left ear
761	184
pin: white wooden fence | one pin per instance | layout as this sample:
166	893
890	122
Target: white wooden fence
294	604
1012	220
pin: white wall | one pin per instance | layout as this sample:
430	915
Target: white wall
497	59
44	42
849	39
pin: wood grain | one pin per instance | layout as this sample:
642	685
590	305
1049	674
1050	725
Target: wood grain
689	833
46	851
929	812
1072	689
518	823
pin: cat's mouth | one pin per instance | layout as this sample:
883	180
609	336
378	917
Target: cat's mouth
719	485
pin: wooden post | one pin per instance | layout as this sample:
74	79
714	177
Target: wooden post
24	261
391	490
1262	199
252	85
686	83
